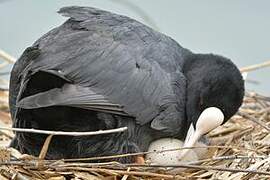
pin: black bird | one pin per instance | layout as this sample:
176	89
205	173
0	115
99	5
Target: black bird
101	70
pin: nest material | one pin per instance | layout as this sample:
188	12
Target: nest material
238	150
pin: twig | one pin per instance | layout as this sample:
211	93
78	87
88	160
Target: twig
149	152
121	172
202	168
9	134
252	167
45	147
221	158
225	131
65	133
7	57
103	164
115	163
265	110
126	175
13	174
247	116
255	66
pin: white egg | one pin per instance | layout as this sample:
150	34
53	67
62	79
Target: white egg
168	157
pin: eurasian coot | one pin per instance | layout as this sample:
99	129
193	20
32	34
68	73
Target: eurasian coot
101	70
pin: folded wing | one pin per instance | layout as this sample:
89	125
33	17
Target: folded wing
113	64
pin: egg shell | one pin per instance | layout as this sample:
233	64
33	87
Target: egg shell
168	157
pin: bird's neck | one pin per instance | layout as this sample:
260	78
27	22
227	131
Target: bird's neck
194	71
194	67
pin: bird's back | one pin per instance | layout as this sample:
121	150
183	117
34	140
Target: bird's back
118	57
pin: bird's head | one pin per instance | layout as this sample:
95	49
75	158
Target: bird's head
215	90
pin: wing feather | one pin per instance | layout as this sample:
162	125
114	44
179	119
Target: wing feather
70	95
114	64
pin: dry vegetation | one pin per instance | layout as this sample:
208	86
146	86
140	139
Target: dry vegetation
238	150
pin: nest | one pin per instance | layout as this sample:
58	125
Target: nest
238	150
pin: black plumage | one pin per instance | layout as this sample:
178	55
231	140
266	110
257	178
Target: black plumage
101	70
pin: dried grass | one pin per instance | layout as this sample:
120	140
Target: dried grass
238	150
